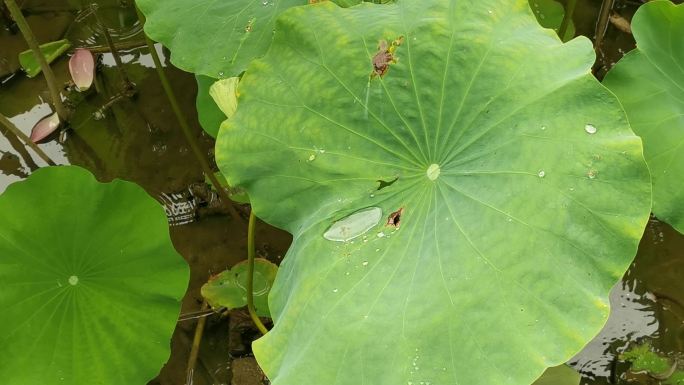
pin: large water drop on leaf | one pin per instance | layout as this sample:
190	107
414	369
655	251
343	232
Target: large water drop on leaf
354	225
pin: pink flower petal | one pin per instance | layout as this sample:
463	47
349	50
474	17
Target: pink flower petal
44	128
82	68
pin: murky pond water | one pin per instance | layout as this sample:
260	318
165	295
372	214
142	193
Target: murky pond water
138	139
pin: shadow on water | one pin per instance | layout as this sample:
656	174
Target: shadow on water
138	139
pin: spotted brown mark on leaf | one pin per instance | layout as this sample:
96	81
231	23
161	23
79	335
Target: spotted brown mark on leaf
385	56
250	23
394	219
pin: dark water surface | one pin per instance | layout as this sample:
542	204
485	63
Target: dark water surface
139	140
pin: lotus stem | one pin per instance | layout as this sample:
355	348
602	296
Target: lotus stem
113	100
194	351
250	274
569	12
204	162
4	121
128	86
45	67
602	24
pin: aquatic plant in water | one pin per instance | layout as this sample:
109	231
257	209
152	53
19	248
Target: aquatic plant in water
90	284
650	84
461	191
229	288
512	191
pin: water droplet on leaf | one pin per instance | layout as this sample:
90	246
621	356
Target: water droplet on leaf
590	129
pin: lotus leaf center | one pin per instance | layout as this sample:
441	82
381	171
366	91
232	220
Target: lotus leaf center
433	171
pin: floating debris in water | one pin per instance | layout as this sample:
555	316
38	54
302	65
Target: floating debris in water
180	207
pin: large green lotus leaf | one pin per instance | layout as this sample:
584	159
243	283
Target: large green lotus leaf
89	281
215	38
524	192
649	81
559	375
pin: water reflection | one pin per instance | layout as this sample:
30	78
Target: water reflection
632	317
646	306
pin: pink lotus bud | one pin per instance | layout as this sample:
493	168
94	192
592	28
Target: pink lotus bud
45	127
82	68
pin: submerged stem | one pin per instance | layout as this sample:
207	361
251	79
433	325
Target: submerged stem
128	86
602	23
45	67
27	141
600	33
569	12
194	351
204	162
250	274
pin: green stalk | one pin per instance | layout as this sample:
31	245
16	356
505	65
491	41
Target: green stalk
204	162
569	12
45	67
128	86
27	141
602	23
194	351
250	274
